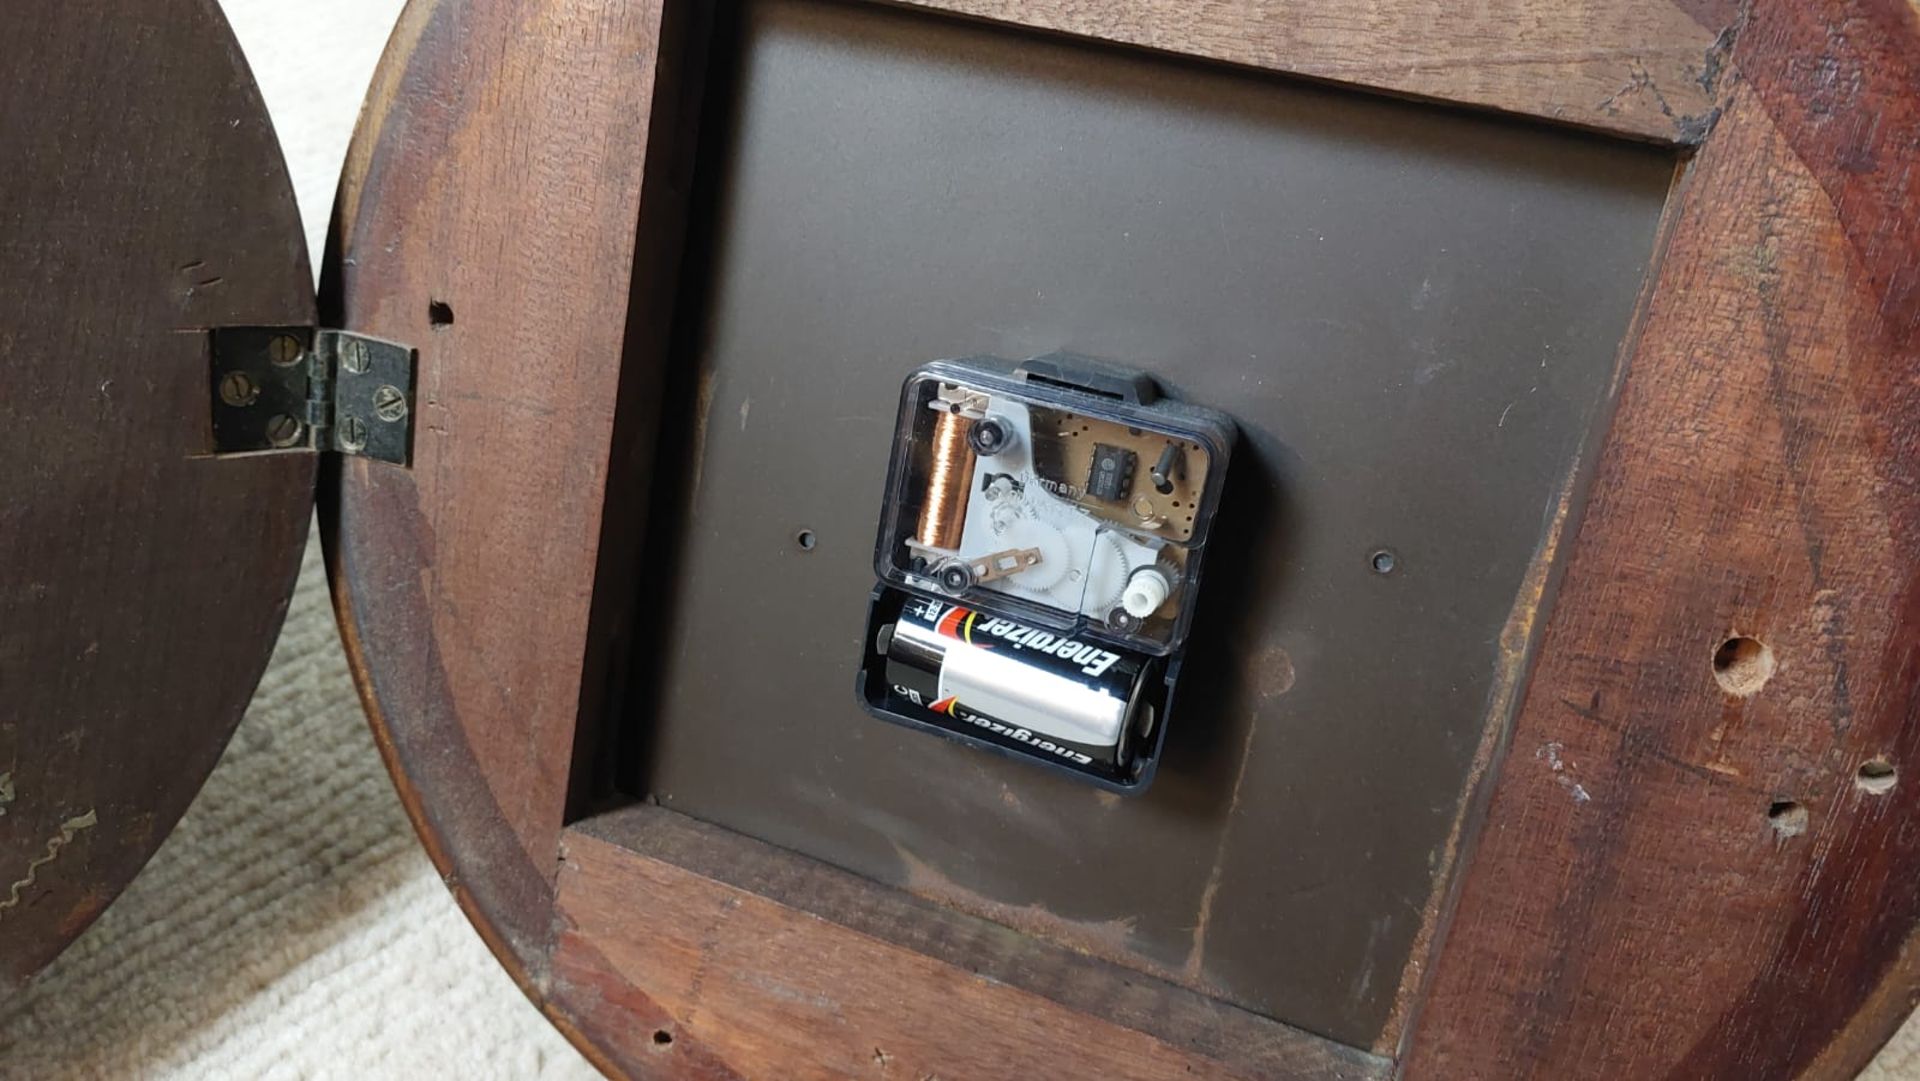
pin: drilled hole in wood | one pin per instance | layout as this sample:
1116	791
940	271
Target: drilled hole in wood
1876	777
1742	665
1787	817
661	1037
440	313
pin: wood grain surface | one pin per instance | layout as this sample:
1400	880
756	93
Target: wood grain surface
1194	1021
142	582
1640	68
488	217
679	974
1677	878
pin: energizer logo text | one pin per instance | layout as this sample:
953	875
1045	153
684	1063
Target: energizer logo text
1092	659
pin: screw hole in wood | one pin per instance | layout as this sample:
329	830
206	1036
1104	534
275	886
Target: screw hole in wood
1876	777
662	1038
439	314
1787	817
1742	665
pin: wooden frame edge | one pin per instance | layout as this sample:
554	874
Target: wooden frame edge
1793	308
530	964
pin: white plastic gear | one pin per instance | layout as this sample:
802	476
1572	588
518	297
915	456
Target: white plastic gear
1048	507
1056	555
1106	577
1007	508
1175	574
1151	594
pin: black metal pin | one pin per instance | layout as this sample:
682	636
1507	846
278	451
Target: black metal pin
1163	471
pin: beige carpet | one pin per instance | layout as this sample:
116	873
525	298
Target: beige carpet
291	927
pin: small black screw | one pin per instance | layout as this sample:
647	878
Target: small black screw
989	437
955	578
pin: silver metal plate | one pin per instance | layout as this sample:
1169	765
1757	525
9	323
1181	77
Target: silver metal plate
372	396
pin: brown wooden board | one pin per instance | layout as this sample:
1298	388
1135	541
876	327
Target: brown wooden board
489	217
1733	897
143	199
1641	68
732	981
511	151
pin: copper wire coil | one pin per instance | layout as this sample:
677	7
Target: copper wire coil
943	512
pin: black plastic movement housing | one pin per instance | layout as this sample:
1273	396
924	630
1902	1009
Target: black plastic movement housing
1039	553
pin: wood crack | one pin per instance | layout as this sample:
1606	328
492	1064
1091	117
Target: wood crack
69	829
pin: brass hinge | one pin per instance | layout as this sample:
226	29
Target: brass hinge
298	388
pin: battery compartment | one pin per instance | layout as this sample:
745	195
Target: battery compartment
1412	314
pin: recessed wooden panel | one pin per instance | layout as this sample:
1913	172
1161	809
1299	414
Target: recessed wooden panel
734	967
143	199
1414	314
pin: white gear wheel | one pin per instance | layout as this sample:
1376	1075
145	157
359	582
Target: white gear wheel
1056	556
1106	577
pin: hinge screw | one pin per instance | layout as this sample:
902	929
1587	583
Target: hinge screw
283	430
238	389
285	350
389	404
353	435
354	357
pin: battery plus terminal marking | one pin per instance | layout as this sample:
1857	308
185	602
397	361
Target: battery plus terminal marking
958	623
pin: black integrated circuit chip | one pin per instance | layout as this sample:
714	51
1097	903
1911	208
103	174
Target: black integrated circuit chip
1111	477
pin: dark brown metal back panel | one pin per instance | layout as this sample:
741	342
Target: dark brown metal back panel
1413	313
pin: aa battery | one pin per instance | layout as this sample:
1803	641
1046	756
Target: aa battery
1052	694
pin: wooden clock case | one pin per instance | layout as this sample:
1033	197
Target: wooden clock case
1677	839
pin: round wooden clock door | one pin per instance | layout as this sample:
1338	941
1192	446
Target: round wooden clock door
143	200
